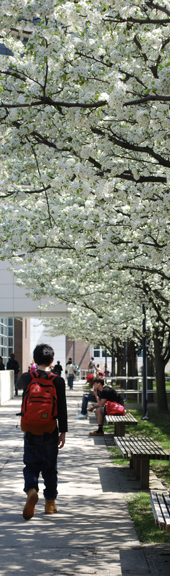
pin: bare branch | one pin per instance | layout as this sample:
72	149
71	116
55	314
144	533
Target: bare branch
149	97
38	191
141	21
134	147
47	100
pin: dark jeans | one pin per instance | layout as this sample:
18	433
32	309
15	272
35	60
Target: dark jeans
87	398
40	455
15	383
70	382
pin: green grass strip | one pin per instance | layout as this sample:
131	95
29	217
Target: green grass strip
158	427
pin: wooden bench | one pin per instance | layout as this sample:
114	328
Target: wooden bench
140	450
120	422
160	502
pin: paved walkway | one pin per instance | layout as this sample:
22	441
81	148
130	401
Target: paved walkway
92	532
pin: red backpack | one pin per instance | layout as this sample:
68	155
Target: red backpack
114	408
39	406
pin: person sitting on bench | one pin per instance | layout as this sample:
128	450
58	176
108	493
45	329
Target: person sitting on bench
88	397
107	394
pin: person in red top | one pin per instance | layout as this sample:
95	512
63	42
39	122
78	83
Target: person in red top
40	450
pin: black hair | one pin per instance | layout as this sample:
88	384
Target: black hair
43	354
99	381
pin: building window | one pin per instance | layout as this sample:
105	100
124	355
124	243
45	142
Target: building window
96	352
7	338
99	352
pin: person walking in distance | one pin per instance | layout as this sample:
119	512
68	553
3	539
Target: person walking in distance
58	368
70	372
12	364
91	366
43	403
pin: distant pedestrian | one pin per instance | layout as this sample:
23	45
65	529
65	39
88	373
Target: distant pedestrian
12	364
2	367
57	368
32	367
91	366
70	373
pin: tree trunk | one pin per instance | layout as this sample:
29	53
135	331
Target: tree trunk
160	375
132	364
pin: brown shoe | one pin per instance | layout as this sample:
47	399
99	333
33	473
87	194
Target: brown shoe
32	499
50	507
96	433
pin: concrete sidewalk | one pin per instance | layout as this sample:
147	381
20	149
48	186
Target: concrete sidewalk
92	533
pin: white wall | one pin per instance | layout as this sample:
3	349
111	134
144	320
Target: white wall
6	385
38	336
15	304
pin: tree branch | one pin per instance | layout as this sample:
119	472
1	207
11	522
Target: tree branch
47	100
148	98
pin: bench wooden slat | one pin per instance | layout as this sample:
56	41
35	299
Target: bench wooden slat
167	500
164	511
159	520
140	451
120	422
160	503
128	418
141	447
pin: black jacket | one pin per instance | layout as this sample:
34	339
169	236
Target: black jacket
12	364
57	369
59	383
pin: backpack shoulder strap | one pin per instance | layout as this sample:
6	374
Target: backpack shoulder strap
28	385
34	374
52	376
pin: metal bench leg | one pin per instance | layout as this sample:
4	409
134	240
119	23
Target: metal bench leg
144	473
119	429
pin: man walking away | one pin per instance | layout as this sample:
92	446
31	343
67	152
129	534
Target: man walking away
58	368
43	402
